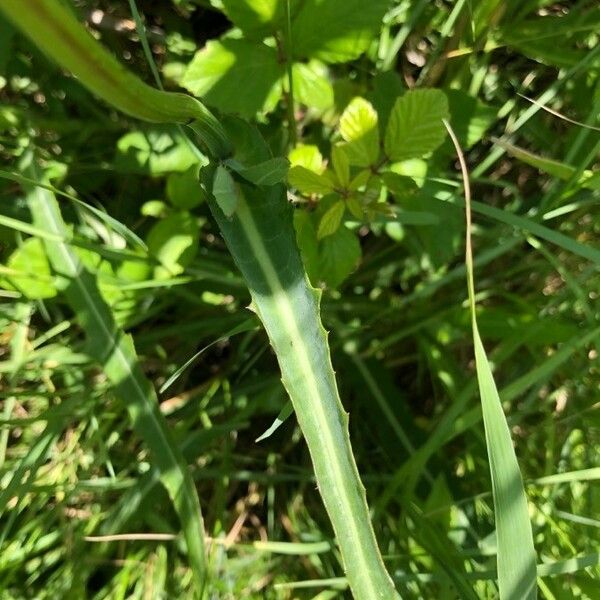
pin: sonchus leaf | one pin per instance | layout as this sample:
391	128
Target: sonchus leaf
415	126
359	127
261	238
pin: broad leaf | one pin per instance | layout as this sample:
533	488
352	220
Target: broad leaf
336	30
270	172
257	18
155	151
237	76
309	182
183	190
339	255
173	241
226	191
331	220
307	156
29	271
416	126
341	164
358	126
312	85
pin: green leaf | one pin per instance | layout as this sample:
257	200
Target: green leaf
471	118
516	554
307	156
415	127
226	191
154	208
336	30
270	172
331	220
341	165
237	76
115	352
546	165
358	126
399	185
155	151
312	85
309	182
257	18
339	255
261	239
32	275
183	189
281	418
173	241
306	237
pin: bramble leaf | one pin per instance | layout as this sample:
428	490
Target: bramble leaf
415	127
358	126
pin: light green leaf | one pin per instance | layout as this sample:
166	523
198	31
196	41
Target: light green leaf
115	352
309	182
358	126
553	167
331	220
226	191
307	156
341	165
155	151
29	271
336	30
471	118
183	189
516	554
312	85
281	418
237	76
154	208
338	256
415	127
270	172
173	241
257	18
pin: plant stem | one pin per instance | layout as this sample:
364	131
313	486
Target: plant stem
291	108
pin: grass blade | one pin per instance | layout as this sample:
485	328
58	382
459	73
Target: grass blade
115	352
516	558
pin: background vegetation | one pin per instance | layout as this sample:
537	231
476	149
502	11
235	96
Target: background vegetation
523	94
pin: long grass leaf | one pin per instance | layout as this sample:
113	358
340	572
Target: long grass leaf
516	558
115	352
